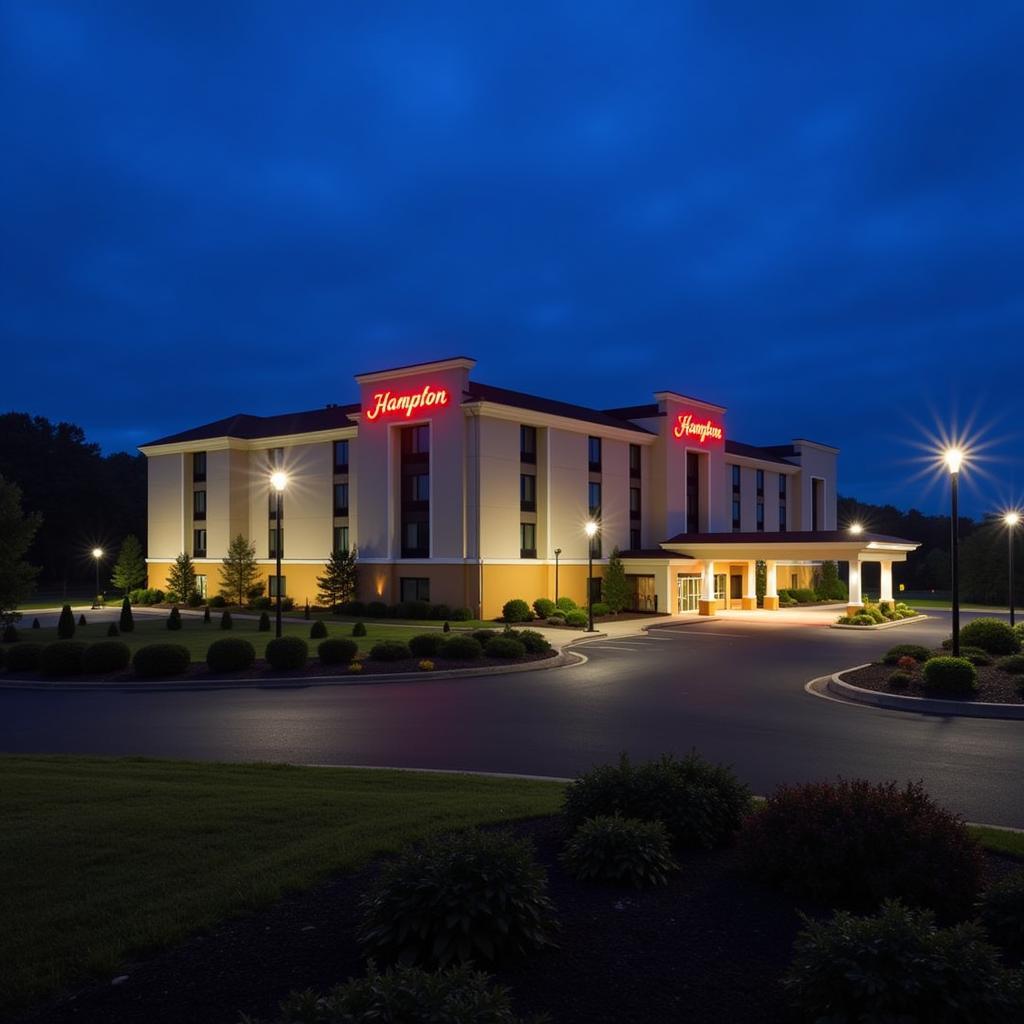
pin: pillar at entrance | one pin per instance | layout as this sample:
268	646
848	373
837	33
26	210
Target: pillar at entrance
856	601
665	590
749	600
707	605
771	586
886	591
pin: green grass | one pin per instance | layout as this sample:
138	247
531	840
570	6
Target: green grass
327	616
999	840
938	602
102	858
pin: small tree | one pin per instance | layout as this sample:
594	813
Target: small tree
827	583
127	619
239	572
17	531
338	583
615	589
66	623
130	568
181	577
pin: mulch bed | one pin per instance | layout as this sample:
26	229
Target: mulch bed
994	685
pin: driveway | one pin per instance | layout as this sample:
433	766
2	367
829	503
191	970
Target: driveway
731	688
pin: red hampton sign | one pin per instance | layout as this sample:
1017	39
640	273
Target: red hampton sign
386	403
704	429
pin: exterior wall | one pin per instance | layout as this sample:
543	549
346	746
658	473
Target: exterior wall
498	468
166	502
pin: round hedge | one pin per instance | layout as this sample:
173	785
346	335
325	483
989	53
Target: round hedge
390	650
157	660
106	656
483	635
544	607
426	645
318	631
287	652
992	635
505	647
461	648
359	629
23	656
230	654
62	657
915	651
1014	664
577	618
951	676
516	610
337	650
534	642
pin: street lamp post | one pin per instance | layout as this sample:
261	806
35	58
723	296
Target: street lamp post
278	481
558	551
97	554
591	531
954	459
1011	519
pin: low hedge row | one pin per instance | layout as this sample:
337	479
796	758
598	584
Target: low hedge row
404	610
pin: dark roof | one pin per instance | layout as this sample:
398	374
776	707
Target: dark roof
754	452
787	537
636	412
248	427
520	400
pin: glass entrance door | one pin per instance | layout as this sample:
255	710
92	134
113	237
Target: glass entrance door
689	592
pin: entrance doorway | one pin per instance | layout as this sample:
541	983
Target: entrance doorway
689	592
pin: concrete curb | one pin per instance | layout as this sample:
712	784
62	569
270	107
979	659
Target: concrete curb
564	659
878	625
921	705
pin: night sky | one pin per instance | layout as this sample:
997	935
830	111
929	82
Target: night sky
810	213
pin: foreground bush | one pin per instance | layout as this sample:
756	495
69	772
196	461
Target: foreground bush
701	804
565	604
286	652
390	650
534	642
466	896
506	647
1014	664
318	631
992	635
543	607
62	657
577	618
950	676
426	645
626	850
359	629
23	657
1001	911
404	995
516	610
898	966
915	651
106	656
461	648
853	844
337	651
156	660
230	654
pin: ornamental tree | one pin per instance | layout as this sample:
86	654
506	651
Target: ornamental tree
239	572
181	577
338	583
130	568
615	589
17	531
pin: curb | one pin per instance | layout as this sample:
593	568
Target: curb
921	705
878	625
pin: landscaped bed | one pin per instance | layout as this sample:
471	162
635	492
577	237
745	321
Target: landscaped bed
993	684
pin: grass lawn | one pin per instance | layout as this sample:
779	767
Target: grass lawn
998	840
103	857
327	616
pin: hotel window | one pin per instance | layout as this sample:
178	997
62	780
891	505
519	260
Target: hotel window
528	444
416	440
418	485
782	518
198	543
634	539
760	499
634	503
274	536
594	454
416	540
692	492
736	522
527	540
199	467
760	483
414	588
782	502
595	545
760	515
341	538
201	584
594	498
527	492
634	461
341	499
736	508
415	492
199	504
817	502
272	505
272	582
341	456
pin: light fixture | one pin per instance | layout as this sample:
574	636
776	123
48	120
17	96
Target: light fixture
1010	520
590	529
97	554
954	458
279	481
856	528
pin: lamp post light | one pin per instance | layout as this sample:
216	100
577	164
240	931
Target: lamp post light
558	551
954	457
856	528
591	531
278	481
97	554
1011	519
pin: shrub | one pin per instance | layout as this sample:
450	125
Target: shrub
409	995
106	656
976	656
803	595
516	610
230	654
112	630
900	679
1001	911
337	651
601	608
426	665
355	667
465	896
565	604
426	645
195	599
23	657
701	804
915	651
66	623
359	629
874	613
36	624
505	647
898	966
390	650
446	628
263	626
127	620
543	607
217	601
256	590
287	603
854	843
558	619
951	676
577	618
461	648
1014	664
261	604
992	635
613	849
440	612
81	620
62	657
356	608
907	663
156	660
483	635
285	652
174	619
461	614
534	642
226	621
318	630
376	609
861	620
11	634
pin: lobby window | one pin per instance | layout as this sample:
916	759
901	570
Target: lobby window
528	444
199	504
275	583
634	503
199	467
275	536
341	456
634	461
341	538
201	584
527	492
414	588
416	540
527	540
198	543
634	538
341	499
736	522
594	498
594	454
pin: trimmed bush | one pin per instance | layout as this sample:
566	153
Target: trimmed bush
976	656
534	642
908	664
217	601
1001	911
601	608
261	603
898	966
506	647
359	629
900	679
106	656
286	652
318	631
230	654
565	604
992	635
23	657
446	628
440	612
854	843
701	804
226	621
466	896
174	619
461	648
461	614
543	607
623	850
263	626
558	619
483	635
11	635
36	624
156	660
66	623
390	650
62	657
81	620
1013	664
915	651
950	676
127	620
206	615
516	610
337	651
426	645
376	609
577	618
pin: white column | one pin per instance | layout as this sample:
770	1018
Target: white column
855	600
708	581
771	585
665	589
750	586
886	594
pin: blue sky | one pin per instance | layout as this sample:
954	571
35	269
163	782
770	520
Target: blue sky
810	213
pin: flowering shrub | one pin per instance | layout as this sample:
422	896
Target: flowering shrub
426	665
355	668
907	663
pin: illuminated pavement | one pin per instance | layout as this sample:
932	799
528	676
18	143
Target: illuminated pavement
732	689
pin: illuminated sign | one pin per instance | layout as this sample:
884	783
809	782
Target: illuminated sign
704	429
386	403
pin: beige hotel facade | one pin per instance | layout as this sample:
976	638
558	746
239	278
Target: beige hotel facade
467	494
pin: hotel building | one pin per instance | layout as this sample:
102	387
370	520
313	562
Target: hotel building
464	493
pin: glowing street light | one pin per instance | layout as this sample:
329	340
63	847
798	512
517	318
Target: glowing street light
558	552
279	481
954	459
856	528
97	554
1011	519
591	531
